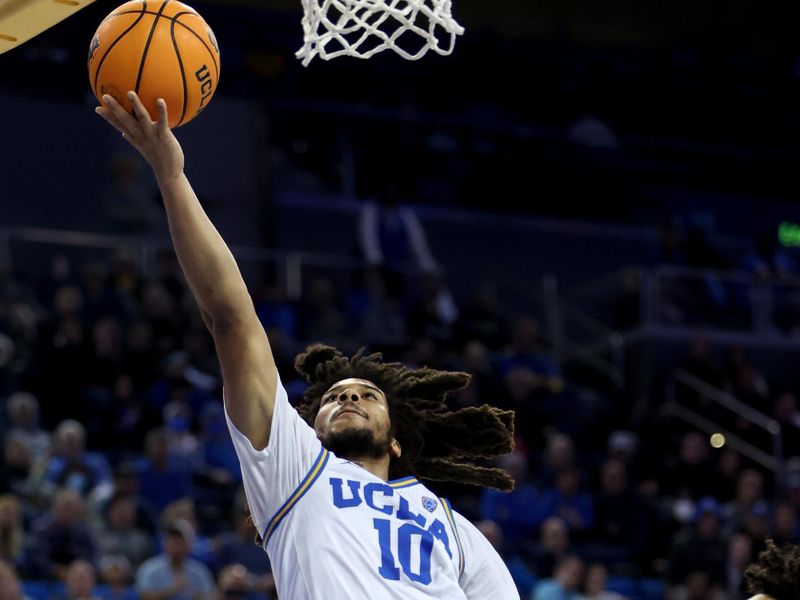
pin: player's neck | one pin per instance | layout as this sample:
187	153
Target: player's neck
377	466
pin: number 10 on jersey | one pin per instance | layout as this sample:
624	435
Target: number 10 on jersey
404	543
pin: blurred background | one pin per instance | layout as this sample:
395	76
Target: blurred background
591	207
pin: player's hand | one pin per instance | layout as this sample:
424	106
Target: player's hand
153	139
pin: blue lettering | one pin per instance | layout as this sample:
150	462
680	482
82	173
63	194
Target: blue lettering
338	496
404	513
369	496
387	569
404	535
438	531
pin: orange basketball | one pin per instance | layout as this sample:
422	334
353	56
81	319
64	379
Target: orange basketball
159	49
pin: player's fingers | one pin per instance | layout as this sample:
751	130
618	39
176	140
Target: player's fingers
163	116
122	116
139	111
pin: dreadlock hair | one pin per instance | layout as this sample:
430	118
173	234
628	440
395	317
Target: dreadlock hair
435	442
777	572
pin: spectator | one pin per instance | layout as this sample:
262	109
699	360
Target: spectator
749	490
320	315
481	320
390	235
565	583
185	510
698	548
621	515
237	547
121	419
520	570
121	535
63	359
785	411
161	310
513	511
622	447
756	524
10	587
174	575
565	500
376	313
21	476
101	301
697	586
141	357
527	351
9	374
766	261
786	525
236	583
476	361
12	289
728	468
559	455
21	323
61	537
740	555
219	463
594	587
129	205
74	468
115	572
23	415
275	311
12	532
105	359
553	546
434	312
160	480
183	446
59	274
793	482
181	382
521	388
80	582
690	474
126	483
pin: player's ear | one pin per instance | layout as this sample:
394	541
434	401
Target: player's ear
395	451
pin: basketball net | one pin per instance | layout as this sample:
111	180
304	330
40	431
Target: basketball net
362	28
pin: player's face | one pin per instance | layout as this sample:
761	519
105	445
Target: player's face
353	420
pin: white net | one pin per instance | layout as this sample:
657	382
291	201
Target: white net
362	28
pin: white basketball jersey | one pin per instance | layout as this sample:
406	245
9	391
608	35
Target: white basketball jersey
335	531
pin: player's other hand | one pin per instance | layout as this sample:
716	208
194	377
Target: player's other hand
153	139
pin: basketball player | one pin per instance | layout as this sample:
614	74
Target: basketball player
333	492
776	575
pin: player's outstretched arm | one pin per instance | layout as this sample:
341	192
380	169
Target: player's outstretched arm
248	367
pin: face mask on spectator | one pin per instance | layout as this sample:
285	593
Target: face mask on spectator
177	423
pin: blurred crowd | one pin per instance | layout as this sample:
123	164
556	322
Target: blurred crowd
118	479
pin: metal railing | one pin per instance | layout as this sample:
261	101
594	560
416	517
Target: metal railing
676	296
773	460
289	264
